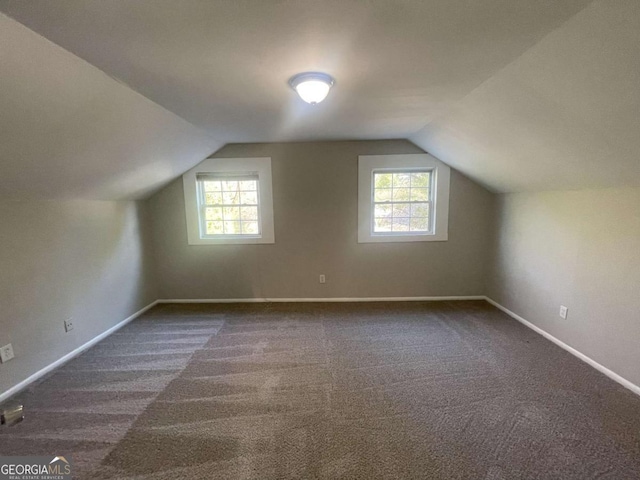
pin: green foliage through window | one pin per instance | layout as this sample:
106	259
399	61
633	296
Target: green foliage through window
402	201
230	206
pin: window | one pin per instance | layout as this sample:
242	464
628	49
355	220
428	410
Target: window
229	200
401	201
228	205
402	198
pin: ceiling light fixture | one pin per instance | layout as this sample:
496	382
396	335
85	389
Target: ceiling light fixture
313	87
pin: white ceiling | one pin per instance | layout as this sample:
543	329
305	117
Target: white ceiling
564	115
520	95
67	130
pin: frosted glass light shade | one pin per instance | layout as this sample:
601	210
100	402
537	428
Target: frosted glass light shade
312	87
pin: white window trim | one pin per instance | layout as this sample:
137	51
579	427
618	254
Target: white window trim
260	166
367	164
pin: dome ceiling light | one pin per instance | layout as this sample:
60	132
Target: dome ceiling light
313	87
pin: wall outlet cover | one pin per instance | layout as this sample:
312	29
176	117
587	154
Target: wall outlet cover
323	279
563	311
68	325
6	353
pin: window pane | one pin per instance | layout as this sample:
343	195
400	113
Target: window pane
231	228
214	213
420	179
231	198
250	228
420	210
213	198
212	186
400	201
249	198
223	213
400	225
382	195
249	213
383	210
382	180
248	185
401	210
419	224
215	228
419	194
401	180
231	213
229	185
401	194
382	225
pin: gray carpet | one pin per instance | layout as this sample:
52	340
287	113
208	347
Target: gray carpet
442	390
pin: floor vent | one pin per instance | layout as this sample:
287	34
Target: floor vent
11	415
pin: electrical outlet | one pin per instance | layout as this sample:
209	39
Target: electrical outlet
6	353
563	311
323	279
68	325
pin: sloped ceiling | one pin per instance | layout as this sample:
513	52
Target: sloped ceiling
519	95
67	130
564	115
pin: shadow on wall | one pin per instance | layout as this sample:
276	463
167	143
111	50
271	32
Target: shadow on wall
578	249
85	260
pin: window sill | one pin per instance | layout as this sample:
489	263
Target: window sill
231	241
382	238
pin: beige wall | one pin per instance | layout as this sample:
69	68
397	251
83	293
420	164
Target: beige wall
580	249
315	206
94	261
80	259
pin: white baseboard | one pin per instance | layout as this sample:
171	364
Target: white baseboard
601	368
61	361
41	373
36	376
328	299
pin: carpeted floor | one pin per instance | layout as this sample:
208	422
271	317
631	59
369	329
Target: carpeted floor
442	390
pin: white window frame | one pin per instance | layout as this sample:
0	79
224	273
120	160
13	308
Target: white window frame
439	221
259	166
